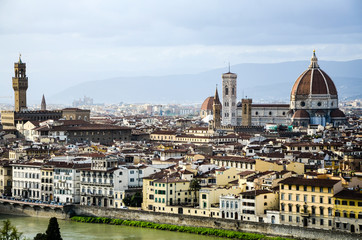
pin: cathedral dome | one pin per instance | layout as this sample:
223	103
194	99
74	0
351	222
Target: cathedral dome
337	114
207	104
313	81
301	114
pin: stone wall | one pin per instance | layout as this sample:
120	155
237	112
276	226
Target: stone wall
182	220
264	228
27	210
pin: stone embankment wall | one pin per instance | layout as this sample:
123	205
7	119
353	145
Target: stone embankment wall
264	228
182	220
33	211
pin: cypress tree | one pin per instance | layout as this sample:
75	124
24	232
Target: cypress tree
53	232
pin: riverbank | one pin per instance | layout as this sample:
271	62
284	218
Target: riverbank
179	220
176	228
71	230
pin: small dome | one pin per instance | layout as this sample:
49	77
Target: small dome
301	114
314	81
207	104
337	114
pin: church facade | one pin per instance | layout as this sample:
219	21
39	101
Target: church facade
313	100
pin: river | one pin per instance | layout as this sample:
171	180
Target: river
30	226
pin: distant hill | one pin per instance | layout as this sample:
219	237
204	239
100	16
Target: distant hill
262	82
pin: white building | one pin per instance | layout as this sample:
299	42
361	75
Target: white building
97	185
67	182
127	179
26	180
230	207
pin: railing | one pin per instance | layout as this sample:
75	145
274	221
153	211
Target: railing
30	203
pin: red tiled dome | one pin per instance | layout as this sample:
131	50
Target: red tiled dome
314	81
301	114
207	104
336	113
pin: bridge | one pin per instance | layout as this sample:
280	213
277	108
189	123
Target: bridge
16	207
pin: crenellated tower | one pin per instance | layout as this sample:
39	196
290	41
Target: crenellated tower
20	85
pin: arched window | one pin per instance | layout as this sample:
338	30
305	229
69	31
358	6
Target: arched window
226	91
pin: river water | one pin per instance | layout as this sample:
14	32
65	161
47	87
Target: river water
30	226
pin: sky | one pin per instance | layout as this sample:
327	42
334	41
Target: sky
67	42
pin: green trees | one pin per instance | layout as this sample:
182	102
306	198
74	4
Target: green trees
52	233
195	187
133	201
9	232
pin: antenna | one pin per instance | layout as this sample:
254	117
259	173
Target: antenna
229	66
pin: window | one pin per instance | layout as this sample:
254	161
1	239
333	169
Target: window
305	198
321	222
313	189
297	208
351	203
305	188
337	213
329	190
329	200
352	215
290	187
321	189
337	202
289	196
321	199
313	198
321	211
131	179
290	207
282	196
297	187
344	202
290	219
297	198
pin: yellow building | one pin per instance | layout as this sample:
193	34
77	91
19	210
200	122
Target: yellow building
167	193
308	202
278	166
47	185
163	136
225	176
5	178
348	211
240	163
